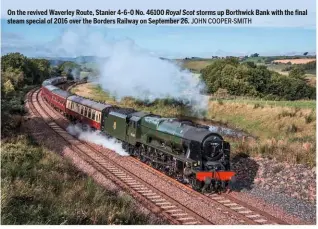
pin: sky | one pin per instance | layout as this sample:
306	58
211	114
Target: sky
268	35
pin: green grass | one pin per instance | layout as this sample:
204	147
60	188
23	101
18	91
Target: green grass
196	65
39	187
306	104
259	59
279	67
284	133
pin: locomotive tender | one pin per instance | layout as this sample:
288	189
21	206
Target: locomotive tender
186	151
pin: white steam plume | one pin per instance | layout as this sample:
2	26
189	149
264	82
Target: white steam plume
97	138
129	70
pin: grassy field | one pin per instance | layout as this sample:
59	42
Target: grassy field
39	187
306	104
279	67
196	65
284	130
296	61
285	133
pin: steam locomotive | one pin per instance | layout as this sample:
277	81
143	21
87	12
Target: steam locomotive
186	151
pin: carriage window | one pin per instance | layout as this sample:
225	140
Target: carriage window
85	114
82	110
89	113
93	115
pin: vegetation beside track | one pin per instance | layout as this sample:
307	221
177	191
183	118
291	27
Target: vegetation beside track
40	187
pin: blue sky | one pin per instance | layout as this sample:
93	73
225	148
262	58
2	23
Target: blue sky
267	36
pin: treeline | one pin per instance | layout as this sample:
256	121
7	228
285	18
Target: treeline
18	75
18	71
249	79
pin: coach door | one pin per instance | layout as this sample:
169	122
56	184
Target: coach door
131	131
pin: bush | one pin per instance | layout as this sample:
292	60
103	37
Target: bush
257	105
220	101
309	118
292	128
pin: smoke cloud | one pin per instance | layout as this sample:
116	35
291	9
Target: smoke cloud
96	138
129	70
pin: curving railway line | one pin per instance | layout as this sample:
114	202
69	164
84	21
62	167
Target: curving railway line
166	197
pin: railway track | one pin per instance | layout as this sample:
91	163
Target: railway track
154	199
174	211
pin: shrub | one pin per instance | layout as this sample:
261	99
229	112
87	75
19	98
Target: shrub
257	105
220	102
291	128
309	118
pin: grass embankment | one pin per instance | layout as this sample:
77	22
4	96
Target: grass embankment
285	130
39	187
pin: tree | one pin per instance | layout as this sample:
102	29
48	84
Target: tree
34	71
40	70
66	68
255	55
221	93
8	88
69	75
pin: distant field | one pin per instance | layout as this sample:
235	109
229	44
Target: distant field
278	68
196	65
295	61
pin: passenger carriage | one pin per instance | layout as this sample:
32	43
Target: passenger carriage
86	111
